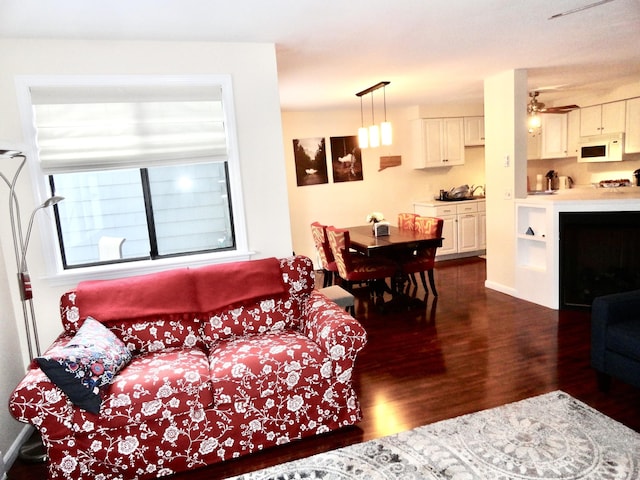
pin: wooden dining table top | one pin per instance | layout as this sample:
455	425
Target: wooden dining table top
363	240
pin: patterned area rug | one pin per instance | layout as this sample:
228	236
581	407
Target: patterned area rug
552	436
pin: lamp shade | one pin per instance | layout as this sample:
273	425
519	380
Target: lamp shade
374	136
363	137
386	133
534	122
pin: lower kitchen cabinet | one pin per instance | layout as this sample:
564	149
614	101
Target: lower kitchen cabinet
464	228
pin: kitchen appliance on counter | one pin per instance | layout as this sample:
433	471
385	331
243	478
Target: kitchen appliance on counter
637	175
455	194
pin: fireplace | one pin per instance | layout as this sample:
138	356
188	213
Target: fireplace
599	254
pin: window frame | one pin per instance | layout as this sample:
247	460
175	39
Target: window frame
55	273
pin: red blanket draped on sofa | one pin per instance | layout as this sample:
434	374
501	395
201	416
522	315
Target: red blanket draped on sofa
203	289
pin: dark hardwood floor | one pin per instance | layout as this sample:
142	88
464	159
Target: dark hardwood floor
470	349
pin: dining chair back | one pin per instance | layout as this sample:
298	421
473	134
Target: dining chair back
354	267
424	260
407	221
327	260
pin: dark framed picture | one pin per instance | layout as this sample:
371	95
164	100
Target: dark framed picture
310	155
346	159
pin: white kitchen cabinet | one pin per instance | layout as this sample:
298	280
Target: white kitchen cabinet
449	235
467	232
464	227
534	143
550	141
573	132
554	135
438	142
473	131
482	226
605	118
632	135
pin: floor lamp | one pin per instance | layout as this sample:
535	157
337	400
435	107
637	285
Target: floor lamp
33	450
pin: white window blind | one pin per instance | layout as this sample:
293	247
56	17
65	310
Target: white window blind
111	127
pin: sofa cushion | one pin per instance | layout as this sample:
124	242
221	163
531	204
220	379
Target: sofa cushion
624	338
158	384
87	363
267	366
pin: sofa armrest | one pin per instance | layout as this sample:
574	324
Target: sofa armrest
38	401
608	310
337	332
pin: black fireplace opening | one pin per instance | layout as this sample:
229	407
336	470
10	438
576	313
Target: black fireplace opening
599	254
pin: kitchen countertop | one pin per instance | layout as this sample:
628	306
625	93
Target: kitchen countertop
439	203
623	195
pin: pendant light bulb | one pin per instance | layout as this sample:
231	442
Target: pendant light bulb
374	131
385	127
363	137
386	133
374	136
363	134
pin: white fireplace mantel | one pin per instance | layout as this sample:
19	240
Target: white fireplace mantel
538	241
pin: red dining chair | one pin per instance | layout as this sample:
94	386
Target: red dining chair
329	267
353	268
424	260
407	221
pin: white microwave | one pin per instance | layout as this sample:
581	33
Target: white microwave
601	148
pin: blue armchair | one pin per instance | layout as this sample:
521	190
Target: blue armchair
615	338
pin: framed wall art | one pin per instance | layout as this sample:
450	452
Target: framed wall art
310	156
346	159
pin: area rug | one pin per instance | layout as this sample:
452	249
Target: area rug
551	436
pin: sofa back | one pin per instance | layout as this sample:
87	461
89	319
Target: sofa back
194	307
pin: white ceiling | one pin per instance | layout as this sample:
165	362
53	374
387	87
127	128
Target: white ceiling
432	51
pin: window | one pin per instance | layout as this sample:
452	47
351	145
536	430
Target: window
146	213
145	168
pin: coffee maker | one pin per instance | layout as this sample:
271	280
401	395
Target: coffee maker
637	175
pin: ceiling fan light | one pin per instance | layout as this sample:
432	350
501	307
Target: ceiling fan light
534	122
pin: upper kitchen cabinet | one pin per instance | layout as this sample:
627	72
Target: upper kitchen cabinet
438	142
554	135
473	131
557	137
573	132
632	135
605	118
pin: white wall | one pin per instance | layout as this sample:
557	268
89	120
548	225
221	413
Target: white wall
12	367
390	191
257	109
505	133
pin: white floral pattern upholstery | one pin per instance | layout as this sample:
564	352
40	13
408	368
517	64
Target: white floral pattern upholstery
204	387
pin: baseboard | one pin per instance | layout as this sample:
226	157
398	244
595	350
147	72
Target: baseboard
501	288
14	449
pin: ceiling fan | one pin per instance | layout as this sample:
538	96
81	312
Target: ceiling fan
579	9
535	107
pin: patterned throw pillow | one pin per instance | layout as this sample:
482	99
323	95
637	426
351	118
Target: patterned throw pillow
87	363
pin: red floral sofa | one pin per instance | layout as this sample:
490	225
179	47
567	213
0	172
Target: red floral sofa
195	366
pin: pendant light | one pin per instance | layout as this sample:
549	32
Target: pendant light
374	135
386	131
363	134
374	131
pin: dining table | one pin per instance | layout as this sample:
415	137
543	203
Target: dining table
363	240
399	242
